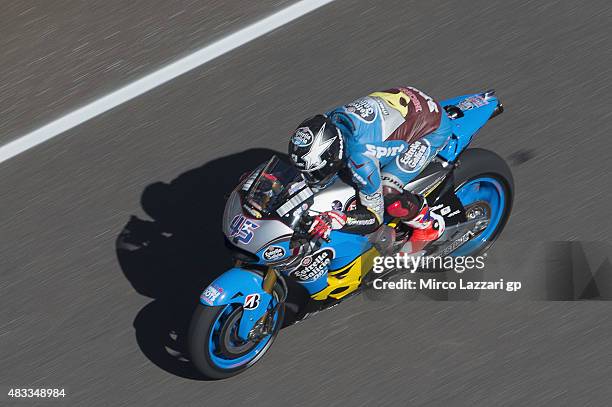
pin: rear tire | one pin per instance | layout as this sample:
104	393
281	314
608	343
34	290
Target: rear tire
478	163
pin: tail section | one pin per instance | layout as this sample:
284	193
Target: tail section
468	114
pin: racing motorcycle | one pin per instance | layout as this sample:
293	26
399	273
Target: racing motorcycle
265	222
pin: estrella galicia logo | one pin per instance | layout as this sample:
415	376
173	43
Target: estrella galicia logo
413	159
302	137
242	229
273	253
314	266
363	109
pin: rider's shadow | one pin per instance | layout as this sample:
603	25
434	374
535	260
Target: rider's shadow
172	257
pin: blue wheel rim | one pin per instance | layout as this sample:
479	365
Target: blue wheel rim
226	363
492	192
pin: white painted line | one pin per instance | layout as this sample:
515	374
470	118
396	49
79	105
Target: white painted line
159	77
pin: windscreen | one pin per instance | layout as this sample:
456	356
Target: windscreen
267	189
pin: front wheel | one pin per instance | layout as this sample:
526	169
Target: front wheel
214	345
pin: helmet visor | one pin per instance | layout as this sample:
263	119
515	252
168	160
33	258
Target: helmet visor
318	178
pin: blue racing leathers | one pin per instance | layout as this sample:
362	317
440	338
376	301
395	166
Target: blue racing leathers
390	136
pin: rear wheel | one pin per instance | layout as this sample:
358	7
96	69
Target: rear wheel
214	345
485	187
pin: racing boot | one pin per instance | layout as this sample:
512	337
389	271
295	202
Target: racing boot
426	227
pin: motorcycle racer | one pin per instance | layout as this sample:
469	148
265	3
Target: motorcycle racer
384	140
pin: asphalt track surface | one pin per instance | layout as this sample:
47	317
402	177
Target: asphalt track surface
58	55
108	232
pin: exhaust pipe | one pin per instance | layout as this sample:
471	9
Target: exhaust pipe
498	110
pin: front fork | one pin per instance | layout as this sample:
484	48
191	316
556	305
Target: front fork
265	324
269	280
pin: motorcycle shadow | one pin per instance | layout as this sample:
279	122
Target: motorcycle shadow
174	255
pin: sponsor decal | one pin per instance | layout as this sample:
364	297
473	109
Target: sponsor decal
363	109
273	253
379	151
479	101
413	159
358	178
296	186
306	261
313	266
341	140
446	211
360	222
415	101
472	102
296	200
381	104
251	301
336	205
390	181
210	294
465	105
431	104
242	229
457	243
302	137
453	213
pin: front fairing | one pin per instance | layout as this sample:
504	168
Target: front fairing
249	233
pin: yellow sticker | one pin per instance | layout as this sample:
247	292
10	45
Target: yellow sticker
399	101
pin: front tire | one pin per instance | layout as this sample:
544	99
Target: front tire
213	347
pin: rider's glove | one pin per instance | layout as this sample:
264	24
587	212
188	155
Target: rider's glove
325	222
